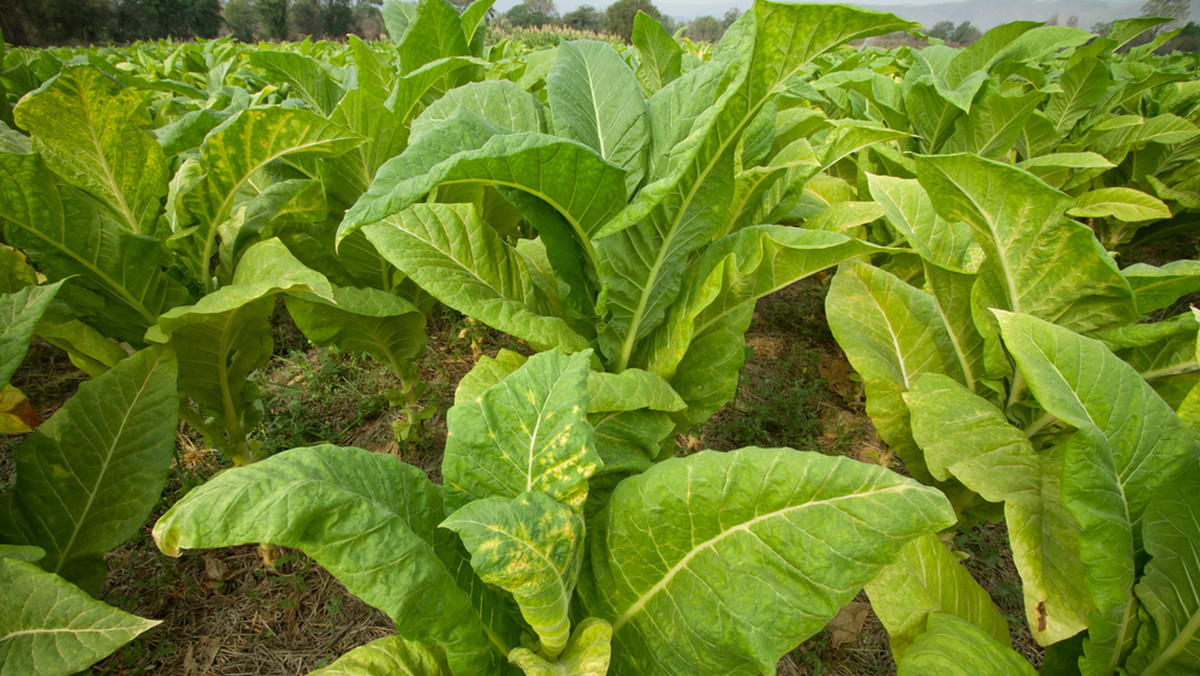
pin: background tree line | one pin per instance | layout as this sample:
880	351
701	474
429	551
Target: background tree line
53	22
616	19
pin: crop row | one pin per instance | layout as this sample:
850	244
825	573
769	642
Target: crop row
621	209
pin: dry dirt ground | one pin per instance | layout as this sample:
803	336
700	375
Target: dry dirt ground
224	613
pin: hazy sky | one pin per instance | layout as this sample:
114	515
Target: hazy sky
682	9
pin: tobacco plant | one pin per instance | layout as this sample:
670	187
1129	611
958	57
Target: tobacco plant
1005	358
623	219
716	563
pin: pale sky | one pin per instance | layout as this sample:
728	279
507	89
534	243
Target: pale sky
682	9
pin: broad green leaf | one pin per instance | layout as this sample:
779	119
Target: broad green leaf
955	647
527	433
434	32
1168	590
630	441
22	553
500	102
396	16
381	324
909	210
368	518
595	99
660	58
927	578
967	437
375	72
1118	142
1123	204
89	476
587	654
487	372
1059	168
1084	85
579	185
1160	287
933	107
631	390
227	335
234	153
892	334
88	129
58	228
20	313
448	251
806	530
1038	262
308	78
89	350
388	656
1129	443
49	626
701	345
532	547
994	123
473	17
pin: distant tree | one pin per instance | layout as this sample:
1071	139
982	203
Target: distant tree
533	13
1053	20
704	29
941	30
586	18
242	19
273	18
1073	21
618	18
1188	40
731	15
306	18
1101	28
338	18
76	20
965	34
1177	10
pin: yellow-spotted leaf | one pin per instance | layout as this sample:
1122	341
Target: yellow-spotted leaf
527	433
532	547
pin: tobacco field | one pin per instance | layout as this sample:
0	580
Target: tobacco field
1004	236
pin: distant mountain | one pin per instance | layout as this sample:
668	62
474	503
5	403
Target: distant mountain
985	14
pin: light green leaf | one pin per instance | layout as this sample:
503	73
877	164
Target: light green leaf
89	476
1159	287
926	579
701	345
382	324
448	251
994	123
532	547
527	433
388	656
1058	168
57	227
308	78
396	17
49	626
967	437
660	58
1123	204
22	553
234	153
88	129
955	647
1038	262
434	31
1168	589
368	518
89	350
806	530
630	390
909	210
500	102
892	334
487	372
20	313
587	654
1129	443
595	99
